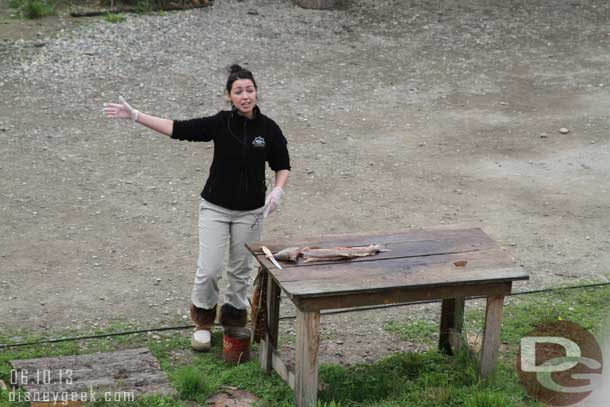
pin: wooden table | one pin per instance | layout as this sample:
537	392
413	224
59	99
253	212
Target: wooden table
445	263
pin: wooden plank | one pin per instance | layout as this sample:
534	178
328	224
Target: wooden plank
308	343
273	322
359	239
280	367
491	336
421	278
400	295
404	249
342	270
133	372
452	322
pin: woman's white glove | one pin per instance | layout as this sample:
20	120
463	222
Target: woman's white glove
121	110
273	201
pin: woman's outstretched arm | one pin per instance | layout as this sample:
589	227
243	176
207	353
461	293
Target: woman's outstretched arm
124	111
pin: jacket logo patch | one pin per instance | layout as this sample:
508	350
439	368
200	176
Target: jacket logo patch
258	142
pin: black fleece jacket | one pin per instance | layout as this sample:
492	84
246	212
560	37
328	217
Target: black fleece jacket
241	148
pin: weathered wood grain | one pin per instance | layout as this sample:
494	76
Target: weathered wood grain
491	336
306	370
358	239
282	369
437	263
398	295
269	343
396	279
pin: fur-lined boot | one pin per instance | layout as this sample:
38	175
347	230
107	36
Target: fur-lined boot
231	316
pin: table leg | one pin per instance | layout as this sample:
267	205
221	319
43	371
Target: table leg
306	374
491	336
452	322
269	342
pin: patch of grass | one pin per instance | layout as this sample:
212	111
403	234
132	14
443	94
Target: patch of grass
417	331
587	307
115	17
427	379
487	398
190	383
33	8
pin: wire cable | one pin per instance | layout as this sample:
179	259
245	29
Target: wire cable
290	317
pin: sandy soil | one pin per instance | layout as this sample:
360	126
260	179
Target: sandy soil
398	114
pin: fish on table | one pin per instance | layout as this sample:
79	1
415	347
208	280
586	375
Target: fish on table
311	254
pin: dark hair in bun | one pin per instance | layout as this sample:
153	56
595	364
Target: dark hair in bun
237	72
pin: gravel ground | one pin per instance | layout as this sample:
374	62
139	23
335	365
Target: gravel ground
398	114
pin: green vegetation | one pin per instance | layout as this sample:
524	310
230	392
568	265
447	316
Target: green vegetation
115	17
33	8
406	379
417	331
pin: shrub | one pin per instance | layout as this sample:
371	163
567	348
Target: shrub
32	8
114	17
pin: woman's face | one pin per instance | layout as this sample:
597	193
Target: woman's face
243	96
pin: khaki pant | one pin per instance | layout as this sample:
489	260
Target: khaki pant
218	225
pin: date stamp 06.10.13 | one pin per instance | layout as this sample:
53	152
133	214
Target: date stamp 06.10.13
57	386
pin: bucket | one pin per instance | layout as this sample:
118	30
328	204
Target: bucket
236	345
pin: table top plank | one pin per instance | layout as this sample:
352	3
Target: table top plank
365	239
399	244
414	279
341	270
418	258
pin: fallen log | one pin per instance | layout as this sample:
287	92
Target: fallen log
172	7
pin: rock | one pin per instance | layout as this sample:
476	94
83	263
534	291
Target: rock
564	130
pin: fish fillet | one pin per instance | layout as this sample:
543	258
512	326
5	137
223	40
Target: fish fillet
340	253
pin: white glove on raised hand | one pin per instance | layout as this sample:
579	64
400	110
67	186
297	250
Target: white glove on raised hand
273	201
121	110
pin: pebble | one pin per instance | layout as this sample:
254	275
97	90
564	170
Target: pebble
564	130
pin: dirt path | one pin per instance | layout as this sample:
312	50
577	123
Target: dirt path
398	114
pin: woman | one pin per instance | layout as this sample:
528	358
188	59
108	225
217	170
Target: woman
233	201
